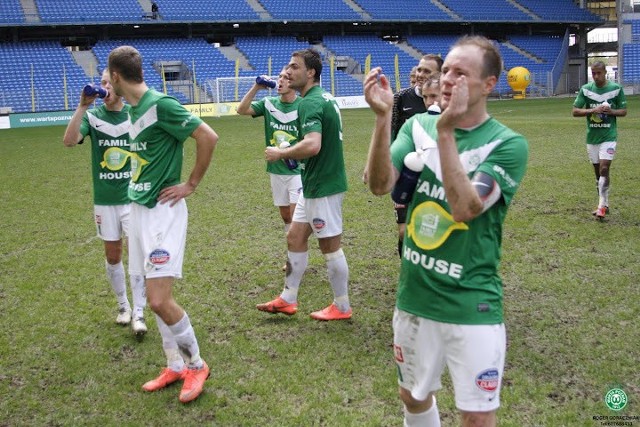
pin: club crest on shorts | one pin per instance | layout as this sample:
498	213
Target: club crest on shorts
611	151
488	380
318	223
159	257
98	219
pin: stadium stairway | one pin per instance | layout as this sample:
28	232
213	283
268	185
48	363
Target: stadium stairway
30	11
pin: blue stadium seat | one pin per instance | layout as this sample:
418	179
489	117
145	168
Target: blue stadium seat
497	10
11	12
40	75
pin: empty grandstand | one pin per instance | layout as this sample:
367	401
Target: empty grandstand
186	48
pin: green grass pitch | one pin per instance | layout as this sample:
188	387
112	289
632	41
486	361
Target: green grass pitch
571	288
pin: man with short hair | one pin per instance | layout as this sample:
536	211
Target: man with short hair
601	102
108	128
159	127
324	183
449	299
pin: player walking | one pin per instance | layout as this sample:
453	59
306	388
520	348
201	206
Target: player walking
601	102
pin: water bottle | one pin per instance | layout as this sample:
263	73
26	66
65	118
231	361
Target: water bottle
434	109
266	81
291	163
92	90
406	185
603	116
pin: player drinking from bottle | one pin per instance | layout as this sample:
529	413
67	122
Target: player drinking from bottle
108	128
280	126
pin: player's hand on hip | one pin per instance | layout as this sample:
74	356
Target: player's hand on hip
377	91
175	193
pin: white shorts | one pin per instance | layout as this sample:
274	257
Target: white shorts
324	214
112	222
603	151
285	189
474	355
157	240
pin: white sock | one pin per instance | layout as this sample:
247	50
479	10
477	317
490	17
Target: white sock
115	274
175	362
187	343
139	295
298	262
603	192
429	418
339	278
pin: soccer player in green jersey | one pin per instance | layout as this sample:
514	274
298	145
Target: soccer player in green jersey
108	128
159	127
280	126
449	299
324	183
601	102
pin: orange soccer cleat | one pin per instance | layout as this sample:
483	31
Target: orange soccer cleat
279	305
166	377
331	313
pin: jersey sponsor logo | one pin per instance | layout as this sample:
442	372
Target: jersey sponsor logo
114	159
187	120
318	223
488	380
507	178
139	187
159	257
139	146
113	142
280	126
114	175
430	225
309	124
441	266
279	137
137	164
397	353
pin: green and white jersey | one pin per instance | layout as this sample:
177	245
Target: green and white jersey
159	127
110	166
323	174
601	127
450	269
280	125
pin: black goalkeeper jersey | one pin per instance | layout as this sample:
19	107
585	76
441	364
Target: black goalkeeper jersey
406	103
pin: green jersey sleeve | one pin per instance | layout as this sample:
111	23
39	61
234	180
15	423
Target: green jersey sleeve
176	120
